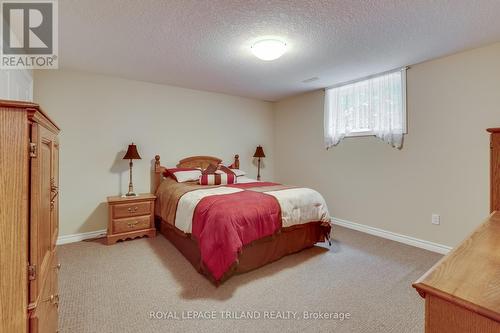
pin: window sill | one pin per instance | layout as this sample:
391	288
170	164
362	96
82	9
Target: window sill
360	133
364	134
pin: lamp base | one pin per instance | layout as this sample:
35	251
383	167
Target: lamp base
130	194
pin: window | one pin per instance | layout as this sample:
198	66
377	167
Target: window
372	106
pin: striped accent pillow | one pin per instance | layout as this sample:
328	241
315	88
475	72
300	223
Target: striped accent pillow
210	169
217	179
224	169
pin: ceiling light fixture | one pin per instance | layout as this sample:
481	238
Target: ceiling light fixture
269	49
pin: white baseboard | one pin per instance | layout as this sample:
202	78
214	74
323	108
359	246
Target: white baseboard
79	237
423	244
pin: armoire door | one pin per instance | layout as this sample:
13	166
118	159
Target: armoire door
54	187
44	317
495	172
43	227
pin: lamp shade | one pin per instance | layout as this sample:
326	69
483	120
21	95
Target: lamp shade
259	152
132	153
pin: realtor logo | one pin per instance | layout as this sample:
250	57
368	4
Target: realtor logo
29	34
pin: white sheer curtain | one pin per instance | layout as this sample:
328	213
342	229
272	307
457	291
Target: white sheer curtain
375	106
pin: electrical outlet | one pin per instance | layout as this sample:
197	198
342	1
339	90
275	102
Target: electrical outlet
436	219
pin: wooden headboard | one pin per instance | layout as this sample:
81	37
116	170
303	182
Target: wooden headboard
190	162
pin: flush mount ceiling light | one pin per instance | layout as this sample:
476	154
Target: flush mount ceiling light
269	49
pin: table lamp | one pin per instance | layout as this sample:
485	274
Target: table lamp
132	154
259	153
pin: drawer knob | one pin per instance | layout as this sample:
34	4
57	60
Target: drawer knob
132	224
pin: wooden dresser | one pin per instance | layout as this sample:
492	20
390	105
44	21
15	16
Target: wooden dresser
462	291
29	195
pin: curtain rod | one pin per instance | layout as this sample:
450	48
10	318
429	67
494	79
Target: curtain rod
367	77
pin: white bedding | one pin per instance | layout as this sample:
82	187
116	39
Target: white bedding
301	205
245	179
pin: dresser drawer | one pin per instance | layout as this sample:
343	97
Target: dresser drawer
131	224
131	209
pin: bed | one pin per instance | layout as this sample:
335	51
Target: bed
230	229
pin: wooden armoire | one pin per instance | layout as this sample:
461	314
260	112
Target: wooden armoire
494	169
29	219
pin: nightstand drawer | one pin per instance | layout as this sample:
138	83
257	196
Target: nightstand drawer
131	224
131	209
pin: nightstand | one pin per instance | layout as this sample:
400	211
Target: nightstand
131	217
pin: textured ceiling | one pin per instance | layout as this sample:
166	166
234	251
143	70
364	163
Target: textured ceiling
206	44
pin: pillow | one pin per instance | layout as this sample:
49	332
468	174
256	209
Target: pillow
210	170
224	169
238	172
182	175
217	179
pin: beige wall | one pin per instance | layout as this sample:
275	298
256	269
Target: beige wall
443	167
101	115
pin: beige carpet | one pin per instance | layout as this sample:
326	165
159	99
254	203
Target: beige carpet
115	289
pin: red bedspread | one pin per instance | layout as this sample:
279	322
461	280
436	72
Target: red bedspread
223	224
